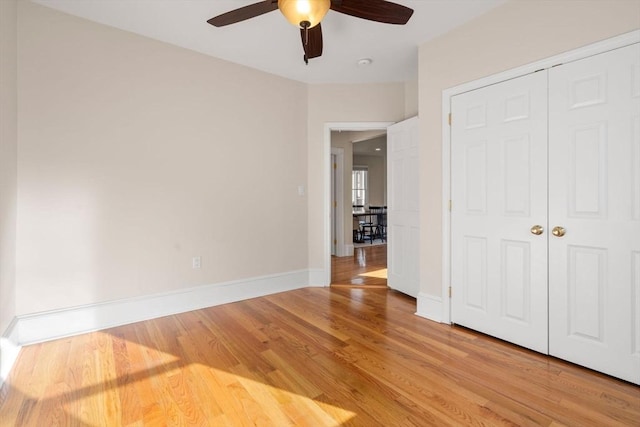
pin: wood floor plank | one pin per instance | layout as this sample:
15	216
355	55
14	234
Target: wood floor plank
293	380
125	381
311	357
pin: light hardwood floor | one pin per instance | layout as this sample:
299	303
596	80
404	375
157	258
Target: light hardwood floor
311	357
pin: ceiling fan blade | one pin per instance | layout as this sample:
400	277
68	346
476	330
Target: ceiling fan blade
243	13
312	42
374	10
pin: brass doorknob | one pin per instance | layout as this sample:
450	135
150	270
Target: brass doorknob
558	231
537	230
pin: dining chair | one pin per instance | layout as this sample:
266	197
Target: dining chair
369	228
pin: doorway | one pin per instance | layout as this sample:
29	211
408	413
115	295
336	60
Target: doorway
343	240
364	184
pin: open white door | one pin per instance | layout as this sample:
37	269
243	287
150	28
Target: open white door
403	207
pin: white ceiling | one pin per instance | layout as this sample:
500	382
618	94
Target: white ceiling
271	44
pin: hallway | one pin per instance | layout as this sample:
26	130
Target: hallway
366	268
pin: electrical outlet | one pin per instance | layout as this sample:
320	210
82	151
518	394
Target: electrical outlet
196	262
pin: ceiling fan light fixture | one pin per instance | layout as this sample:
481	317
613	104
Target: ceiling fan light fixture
304	13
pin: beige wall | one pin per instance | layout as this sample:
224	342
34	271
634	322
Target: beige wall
341	103
8	159
136	156
133	152
411	99
517	33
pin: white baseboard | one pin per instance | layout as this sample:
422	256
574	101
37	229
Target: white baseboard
429	307
51	325
9	350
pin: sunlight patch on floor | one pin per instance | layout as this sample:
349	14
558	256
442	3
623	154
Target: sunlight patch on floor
378	274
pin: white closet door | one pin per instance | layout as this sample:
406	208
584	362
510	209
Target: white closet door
499	192
403	213
594	194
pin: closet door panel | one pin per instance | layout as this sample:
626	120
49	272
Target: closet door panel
594	144
499	192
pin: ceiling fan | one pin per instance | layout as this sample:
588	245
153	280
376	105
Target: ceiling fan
307	14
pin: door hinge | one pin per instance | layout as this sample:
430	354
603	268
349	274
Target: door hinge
450	292
335	166
335	242
335	204
449	119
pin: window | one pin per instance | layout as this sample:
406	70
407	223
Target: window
359	186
